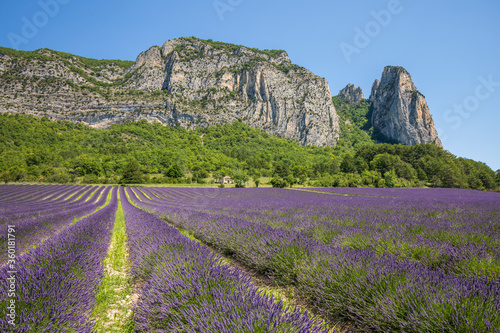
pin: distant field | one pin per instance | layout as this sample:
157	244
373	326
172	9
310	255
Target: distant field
193	259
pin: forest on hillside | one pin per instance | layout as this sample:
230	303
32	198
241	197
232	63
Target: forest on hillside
39	150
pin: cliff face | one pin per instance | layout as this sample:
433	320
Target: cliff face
223	82
187	82
400	111
352	94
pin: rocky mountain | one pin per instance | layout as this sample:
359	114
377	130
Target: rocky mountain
191	82
352	94
400	111
187	82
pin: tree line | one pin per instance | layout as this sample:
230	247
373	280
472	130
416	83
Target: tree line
39	150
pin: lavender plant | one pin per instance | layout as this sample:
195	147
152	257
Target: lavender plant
31	231
411	262
185	288
56	282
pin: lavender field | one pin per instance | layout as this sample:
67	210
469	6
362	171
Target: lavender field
374	260
419	260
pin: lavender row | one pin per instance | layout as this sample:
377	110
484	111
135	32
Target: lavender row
56	283
406	192
33	206
19	193
16	194
464	241
32	231
186	288
380	292
287	207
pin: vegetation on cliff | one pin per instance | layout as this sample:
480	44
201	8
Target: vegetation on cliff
39	150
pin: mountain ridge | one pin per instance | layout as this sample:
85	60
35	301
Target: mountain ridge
191	83
187	82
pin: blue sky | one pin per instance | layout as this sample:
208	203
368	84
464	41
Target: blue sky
451	49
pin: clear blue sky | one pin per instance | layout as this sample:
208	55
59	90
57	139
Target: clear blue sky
447	46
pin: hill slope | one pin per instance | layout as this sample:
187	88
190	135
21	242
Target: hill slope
187	82
37	149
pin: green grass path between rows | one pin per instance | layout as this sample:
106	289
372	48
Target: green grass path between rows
114	298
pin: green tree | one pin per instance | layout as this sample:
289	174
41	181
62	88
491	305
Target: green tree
278	182
132	173
431	166
70	150
256	180
201	174
326	164
174	171
405	170
240	178
487	177
390	178
217	175
88	165
360	164
302	179
281	169
290	180
348	164
14	174
384	162
450	175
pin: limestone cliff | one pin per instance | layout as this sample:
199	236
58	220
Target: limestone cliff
352	94
187	82
400	111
